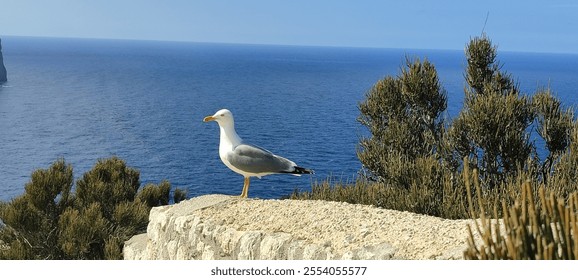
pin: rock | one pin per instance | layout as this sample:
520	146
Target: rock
219	227
135	247
3	75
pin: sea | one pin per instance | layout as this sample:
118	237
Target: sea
144	101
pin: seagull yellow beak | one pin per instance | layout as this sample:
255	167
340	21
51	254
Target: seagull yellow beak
209	118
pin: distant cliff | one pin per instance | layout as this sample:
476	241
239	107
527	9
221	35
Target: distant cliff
3	77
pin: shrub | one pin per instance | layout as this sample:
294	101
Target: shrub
532	229
563	178
437	197
412	171
82	232
32	219
108	183
416	162
153	195
179	195
50	222
554	125
403	115
492	129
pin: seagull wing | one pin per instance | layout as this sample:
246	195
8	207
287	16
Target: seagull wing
256	160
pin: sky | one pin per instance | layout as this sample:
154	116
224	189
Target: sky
528	26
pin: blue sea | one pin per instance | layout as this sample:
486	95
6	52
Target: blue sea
144	101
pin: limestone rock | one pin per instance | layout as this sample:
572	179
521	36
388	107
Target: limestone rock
3	75
219	227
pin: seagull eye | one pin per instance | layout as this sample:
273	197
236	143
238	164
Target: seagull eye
222	115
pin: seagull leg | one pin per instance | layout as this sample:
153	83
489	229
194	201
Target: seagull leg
246	183
243	191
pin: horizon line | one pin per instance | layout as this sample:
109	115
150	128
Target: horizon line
279	44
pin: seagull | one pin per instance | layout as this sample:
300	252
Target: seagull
246	159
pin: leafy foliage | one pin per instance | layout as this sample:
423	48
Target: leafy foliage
50	222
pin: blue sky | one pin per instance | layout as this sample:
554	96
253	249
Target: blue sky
532	26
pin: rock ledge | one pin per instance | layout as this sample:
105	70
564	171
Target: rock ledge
215	227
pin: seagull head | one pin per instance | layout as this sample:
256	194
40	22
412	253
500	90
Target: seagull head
224	117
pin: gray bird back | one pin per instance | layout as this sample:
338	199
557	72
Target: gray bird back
254	159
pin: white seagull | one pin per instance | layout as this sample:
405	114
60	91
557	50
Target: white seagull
246	159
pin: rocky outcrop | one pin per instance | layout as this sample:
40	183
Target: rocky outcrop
216	227
3	75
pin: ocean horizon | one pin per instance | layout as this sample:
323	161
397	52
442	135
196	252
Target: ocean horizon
144	101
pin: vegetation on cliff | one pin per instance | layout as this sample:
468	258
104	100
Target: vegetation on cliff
53	220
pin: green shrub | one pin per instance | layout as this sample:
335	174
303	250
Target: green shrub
32	219
563	178
50	222
403	115
416	162
82	232
436	197
109	183
179	195
153	195
555	125
488	144
492	129
481	63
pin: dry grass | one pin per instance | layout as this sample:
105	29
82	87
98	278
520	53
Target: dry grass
532	229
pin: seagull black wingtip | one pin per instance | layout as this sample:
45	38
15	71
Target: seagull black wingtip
301	170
